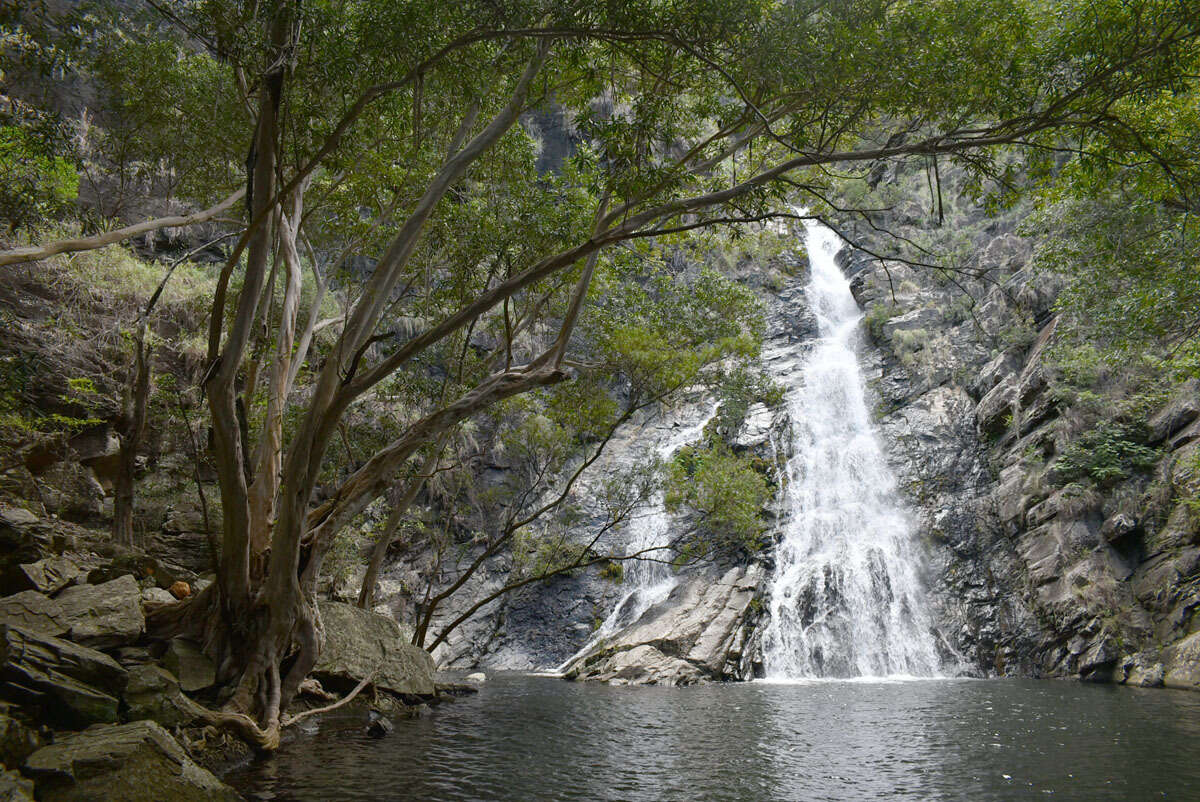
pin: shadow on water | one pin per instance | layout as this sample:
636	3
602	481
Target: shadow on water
538	738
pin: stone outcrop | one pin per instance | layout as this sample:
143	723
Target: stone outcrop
153	693
69	684
359	643
191	665
697	634
104	616
1031	573
135	762
35	612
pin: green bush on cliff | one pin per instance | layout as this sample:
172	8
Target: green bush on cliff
726	493
1106	454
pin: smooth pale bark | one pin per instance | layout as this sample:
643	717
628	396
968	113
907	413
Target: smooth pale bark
269	459
36	252
327	404
245	631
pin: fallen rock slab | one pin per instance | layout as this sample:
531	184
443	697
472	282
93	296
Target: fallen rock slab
51	574
359	642
33	611
153	693
135	762
104	616
191	665
72	685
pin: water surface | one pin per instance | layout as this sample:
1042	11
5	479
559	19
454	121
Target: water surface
537	738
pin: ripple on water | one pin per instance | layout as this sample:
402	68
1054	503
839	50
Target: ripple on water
536	738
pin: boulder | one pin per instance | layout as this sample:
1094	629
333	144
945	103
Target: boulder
477	677
180	589
694	635
1181	664
50	574
135	762
15	788
70	684
191	665
1182	409
157	596
153	693
17	742
33	611
23	539
994	414
1141	669
164	574
359	642
104	616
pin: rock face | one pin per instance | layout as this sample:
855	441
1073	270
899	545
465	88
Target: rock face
136	762
32	611
72	685
104	616
697	634
1031	572
1181	664
191	665
359	642
153	693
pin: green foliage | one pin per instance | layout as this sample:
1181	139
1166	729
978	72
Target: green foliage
1106	454
725	491
878	315
739	389
36	184
613	572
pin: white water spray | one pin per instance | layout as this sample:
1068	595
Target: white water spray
649	581
845	599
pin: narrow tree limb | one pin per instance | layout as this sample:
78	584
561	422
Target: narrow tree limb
290	720
35	252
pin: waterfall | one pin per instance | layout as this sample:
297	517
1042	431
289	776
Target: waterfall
646	582
845	599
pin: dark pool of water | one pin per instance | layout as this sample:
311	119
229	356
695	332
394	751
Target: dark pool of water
537	738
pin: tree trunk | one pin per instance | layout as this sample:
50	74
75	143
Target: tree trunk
133	426
366	594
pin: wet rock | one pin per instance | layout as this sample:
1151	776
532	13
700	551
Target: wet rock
378	725
1142	670
153	693
1181	664
104	616
692	636
71	685
478	676
135	762
359	642
190	664
35	612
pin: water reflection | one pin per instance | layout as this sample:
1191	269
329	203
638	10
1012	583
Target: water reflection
532	738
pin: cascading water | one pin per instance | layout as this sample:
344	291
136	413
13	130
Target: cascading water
649	581
845	600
